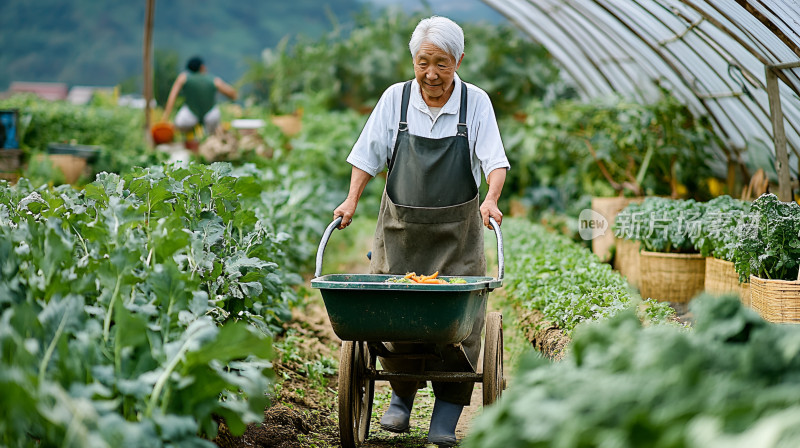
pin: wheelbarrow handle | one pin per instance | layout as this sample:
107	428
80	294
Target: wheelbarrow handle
501	262
324	242
338	221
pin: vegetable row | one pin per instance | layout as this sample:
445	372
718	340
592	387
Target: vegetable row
564	280
140	309
730	381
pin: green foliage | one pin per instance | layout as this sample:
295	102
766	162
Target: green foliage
142	306
167	65
316	367
566	281
353	69
569	149
314	162
41	171
118	132
662	224
719	228
731	382
769	240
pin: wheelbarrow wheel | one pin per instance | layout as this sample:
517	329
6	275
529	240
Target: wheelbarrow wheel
493	382
356	392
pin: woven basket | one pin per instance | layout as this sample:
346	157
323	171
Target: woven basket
776	300
671	277
71	166
289	124
609	208
627	260
745	295
722	278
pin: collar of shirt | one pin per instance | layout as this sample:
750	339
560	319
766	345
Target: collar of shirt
450	107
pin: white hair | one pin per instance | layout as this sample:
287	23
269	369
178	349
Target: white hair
440	31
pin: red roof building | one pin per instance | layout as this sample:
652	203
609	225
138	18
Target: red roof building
46	90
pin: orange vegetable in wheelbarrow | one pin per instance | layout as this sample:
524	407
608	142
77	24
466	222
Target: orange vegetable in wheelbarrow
427	279
434	281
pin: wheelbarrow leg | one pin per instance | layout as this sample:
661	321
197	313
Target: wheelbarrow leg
493	381
356	391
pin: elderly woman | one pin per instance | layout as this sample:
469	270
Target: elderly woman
435	134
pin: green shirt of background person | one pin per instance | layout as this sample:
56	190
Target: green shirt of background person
199	90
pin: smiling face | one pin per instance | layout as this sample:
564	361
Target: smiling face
435	70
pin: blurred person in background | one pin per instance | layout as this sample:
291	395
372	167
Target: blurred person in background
199	91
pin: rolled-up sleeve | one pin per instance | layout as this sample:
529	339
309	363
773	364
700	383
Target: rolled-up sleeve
372	149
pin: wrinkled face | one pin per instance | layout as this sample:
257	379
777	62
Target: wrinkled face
435	70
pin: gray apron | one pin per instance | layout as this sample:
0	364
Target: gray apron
430	221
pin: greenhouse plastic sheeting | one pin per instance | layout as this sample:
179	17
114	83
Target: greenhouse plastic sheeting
711	54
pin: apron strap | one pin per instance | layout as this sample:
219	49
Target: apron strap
462	112
403	126
404	107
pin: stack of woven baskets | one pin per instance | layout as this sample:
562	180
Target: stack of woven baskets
729	247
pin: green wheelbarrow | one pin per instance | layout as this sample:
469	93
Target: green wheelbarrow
366	311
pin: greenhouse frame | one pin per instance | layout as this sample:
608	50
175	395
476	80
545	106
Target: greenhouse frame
736	62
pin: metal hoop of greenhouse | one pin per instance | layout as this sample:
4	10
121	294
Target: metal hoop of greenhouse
736	62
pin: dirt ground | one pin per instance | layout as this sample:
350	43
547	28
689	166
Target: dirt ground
545	336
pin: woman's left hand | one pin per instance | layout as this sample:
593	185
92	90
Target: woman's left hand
489	209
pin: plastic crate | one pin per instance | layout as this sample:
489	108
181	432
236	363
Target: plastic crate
87	152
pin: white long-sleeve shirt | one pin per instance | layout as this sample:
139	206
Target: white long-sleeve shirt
376	142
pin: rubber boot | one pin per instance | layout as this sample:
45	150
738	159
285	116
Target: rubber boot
443	423
399	413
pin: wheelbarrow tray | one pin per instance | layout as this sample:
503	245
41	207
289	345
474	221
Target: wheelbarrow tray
365	307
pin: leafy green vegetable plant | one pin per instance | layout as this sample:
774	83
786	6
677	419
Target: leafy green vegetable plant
606	147
566	281
718	231
729	381
768	240
117	131
140	309
662	224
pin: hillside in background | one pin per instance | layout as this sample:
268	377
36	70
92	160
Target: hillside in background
100	43
85	42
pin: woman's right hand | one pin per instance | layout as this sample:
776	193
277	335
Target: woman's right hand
346	210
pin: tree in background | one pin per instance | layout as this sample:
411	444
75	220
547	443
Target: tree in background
166	69
350	69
